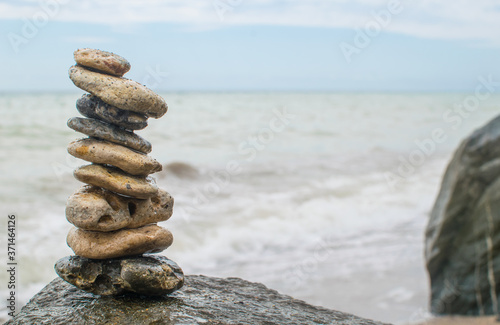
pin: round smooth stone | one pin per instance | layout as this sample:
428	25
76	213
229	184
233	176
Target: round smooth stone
103	152
91	106
125	242
102	61
117	181
98	129
119	92
150	275
96	209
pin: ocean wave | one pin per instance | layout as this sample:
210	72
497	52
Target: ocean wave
316	189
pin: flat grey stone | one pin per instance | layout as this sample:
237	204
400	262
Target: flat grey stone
98	129
202	300
93	107
150	275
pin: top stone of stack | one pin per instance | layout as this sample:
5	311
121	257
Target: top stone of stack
100	73
102	61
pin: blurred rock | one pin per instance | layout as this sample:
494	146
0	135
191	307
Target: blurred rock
462	246
182	170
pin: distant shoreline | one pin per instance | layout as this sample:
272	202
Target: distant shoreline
250	92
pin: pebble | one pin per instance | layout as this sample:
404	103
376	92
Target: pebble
96	209
116	181
102	61
91	106
150	275
119	92
104	152
98	129
124	242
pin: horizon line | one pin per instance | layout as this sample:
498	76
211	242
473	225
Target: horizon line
250	91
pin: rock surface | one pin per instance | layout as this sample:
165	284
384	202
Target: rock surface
98	129
103	61
120	92
202	300
116	181
150	275
462	237
124	242
96	209
103	152
92	107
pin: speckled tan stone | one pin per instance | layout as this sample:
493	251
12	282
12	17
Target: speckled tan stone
104	152
96	209
117	181
120	92
103	61
126	242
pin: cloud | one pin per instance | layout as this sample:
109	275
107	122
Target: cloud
477	20
93	40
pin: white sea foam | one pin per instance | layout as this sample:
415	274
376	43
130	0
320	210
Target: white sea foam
306	209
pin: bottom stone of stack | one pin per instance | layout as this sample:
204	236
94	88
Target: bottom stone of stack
124	242
151	275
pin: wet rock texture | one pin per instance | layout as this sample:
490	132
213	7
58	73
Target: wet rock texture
150	274
202	300
463	238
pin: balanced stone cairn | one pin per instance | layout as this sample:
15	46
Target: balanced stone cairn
116	214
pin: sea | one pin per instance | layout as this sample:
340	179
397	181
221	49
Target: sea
321	196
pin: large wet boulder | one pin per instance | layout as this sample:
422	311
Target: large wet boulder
202	300
462	247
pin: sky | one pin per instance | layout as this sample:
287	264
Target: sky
258	45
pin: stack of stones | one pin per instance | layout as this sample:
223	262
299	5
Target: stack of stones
116	214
